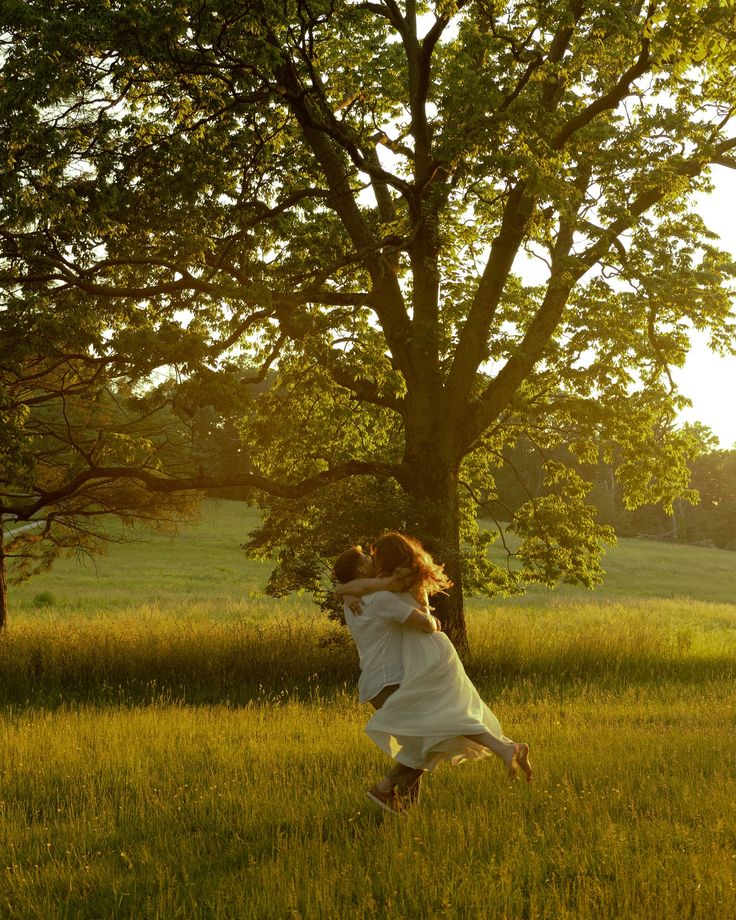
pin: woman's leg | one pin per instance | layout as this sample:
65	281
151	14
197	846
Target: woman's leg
515	755
404	779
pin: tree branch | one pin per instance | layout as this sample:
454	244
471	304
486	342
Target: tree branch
313	108
566	272
75	277
388	10
264	212
472	347
721	157
364	389
609	100
260	376
154	482
387	299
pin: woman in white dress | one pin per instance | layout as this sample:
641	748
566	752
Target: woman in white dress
428	710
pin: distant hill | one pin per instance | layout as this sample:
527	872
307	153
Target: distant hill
205	562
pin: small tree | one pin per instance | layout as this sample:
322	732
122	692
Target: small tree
75	451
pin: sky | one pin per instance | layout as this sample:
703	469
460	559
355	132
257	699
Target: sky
708	380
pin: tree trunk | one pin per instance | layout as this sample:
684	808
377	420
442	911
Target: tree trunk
435	520
3	582
679	521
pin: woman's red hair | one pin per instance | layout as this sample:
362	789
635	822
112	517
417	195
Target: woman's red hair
395	551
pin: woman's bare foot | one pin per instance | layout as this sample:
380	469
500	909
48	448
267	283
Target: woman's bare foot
520	761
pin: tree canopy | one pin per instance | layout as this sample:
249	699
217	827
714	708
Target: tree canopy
347	194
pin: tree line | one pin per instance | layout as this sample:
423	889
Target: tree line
704	515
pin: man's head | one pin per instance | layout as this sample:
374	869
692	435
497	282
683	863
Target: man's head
353	563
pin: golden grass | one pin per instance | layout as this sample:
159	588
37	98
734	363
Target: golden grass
173	745
161	767
150	653
258	812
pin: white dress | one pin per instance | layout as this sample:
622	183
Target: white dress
424	721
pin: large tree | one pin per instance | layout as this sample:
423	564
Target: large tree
347	191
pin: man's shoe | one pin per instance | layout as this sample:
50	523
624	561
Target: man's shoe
388	801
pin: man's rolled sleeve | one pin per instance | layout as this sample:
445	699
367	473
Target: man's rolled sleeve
390	606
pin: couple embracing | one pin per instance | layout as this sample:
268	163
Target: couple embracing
427	709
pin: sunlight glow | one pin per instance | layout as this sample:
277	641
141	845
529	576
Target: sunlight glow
708	379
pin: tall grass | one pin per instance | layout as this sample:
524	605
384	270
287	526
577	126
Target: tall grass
258	812
146	655
156	656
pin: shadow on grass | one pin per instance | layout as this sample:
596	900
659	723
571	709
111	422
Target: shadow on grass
271	667
139	662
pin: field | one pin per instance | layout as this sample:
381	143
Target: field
175	745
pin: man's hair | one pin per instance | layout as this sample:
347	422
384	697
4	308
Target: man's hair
346	565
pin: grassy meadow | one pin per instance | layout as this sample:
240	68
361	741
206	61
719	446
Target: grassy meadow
173	744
